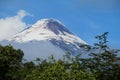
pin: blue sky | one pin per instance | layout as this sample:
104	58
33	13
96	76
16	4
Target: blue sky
85	18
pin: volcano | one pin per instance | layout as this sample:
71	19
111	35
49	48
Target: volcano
44	38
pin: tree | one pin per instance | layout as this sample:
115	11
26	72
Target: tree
103	61
10	62
59	70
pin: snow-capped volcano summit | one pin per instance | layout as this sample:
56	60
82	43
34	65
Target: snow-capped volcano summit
48	36
53	25
47	29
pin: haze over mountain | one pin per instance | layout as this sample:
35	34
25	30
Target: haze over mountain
44	38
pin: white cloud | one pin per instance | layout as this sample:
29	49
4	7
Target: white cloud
11	25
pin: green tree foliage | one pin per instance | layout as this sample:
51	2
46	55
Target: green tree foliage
59	70
10	62
103	63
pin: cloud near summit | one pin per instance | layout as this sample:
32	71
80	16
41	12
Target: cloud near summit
9	26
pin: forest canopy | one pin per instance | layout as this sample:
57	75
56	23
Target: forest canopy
103	63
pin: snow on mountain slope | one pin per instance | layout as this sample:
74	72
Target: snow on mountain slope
37	49
47	29
48	36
